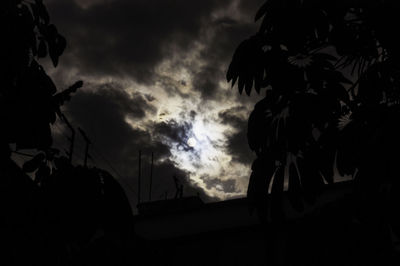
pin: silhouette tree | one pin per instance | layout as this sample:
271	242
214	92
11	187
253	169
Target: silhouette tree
67	215
330	70
29	100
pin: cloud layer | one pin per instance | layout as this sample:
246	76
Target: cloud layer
155	78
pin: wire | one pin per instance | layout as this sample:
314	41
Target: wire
121	178
96	151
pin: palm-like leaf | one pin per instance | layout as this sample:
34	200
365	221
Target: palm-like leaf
313	118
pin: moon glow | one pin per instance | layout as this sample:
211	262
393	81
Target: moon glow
191	142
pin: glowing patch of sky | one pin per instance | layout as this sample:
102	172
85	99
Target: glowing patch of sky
209	159
175	97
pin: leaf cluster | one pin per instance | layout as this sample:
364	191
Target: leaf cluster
28	97
330	74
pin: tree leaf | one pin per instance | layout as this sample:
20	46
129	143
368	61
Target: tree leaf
42	49
61	44
42	173
248	85
262	11
257	192
42	11
33	164
241	84
294	189
277	213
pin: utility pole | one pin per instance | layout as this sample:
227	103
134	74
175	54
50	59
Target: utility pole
151	175
139	174
88	142
179	188
71	139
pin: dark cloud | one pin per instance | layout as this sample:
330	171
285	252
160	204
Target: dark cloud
228	185
228	33
164	184
238	148
174	131
127	37
207	81
149	97
172	88
193	114
176	135
250	7
101	113
234	116
237	142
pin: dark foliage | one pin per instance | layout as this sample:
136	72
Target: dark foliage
29	100
330	71
61	214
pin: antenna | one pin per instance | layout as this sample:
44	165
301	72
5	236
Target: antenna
151	175
179	188
71	139
88	142
139	174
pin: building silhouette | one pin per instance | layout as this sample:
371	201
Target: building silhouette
186	231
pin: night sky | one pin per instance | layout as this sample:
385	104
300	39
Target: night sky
154	74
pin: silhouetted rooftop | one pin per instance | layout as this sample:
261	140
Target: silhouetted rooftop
169	205
190	216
